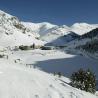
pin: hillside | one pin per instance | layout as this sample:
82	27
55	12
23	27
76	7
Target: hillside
60	31
28	73
13	33
62	40
39	28
21	79
87	44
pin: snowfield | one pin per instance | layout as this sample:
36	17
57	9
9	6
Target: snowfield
13	33
18	80
28	74
55	61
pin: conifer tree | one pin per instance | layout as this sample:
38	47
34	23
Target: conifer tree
84	80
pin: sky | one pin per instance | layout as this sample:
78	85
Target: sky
58	12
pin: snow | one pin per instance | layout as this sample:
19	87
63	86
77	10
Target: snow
13	36
59	31
82	28
55	61
28	74
55	33
20	81
58	40
39	28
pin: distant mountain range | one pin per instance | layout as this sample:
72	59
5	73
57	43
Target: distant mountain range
21	66
14	32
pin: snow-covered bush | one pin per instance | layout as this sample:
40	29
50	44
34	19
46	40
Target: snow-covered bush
84	80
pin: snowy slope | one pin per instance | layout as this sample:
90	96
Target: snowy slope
44	28
55	33
82	28
13	33
39	28
49	32
20	81
19	77
84	39
59	31
62	40
86	45
55	61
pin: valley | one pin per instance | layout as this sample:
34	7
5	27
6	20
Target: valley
31	54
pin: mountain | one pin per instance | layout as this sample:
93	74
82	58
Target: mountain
63	40
86	44
59	31
93	33
19	75
13	33
89	37
49	32
39	28
82	28
54	33
91	46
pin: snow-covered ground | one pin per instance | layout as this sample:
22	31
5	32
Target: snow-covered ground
13	33
20	80
55	61
27	74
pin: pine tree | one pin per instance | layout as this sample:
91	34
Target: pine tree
84	80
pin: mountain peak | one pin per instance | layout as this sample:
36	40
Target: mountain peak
80	24
82	28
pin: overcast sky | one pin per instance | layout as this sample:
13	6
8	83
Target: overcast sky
54	11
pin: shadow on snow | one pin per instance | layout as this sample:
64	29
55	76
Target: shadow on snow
68	65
